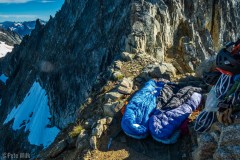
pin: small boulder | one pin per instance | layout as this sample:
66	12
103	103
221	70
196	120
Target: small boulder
126	82
109	120
163	70
124	90
114	96
58	148
127	56
105	127
111	108
118	107
107	108
102	121
206	66
82	142
125	86
93	142
97	131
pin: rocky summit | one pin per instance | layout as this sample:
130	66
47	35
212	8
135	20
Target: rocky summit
63	88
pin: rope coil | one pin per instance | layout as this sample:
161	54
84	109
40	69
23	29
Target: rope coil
206	118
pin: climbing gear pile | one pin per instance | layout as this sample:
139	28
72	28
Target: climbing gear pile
224	98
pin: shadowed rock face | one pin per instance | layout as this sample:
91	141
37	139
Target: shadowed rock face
9	37
68	53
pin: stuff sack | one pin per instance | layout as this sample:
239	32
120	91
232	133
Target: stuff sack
206	118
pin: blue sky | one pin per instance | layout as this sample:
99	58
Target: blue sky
25	10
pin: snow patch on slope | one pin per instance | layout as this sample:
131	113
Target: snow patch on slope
3	78
33	114
4	49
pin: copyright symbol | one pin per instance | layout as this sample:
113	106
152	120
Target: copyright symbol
4	155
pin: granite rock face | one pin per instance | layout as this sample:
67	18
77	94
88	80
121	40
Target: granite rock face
221	143
86	36
206	147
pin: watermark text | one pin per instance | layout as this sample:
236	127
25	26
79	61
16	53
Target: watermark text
6	155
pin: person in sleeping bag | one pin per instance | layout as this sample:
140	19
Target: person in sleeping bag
135	119
163	124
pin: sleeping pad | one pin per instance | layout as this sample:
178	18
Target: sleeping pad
135	119
164	123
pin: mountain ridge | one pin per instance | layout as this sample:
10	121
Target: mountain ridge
21	28
73	53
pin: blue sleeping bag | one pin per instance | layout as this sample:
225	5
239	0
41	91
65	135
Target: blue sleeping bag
135	119
163	124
